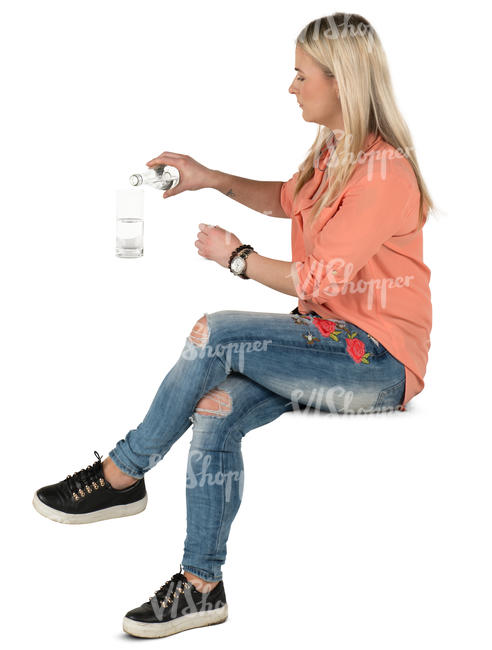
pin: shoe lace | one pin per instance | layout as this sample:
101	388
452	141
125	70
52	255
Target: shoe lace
86	480
164	595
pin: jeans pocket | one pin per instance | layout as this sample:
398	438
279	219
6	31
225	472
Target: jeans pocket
390	398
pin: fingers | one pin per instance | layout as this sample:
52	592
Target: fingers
206	227
202	235
202	239
176	190
165	155
201	250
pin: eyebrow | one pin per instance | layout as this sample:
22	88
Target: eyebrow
299	70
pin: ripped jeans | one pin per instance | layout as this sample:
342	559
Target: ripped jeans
259	366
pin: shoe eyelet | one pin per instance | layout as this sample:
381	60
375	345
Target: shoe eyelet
75	496
102	482
88	489
81	492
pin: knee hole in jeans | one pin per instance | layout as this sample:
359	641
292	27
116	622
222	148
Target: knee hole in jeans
216	402
199	333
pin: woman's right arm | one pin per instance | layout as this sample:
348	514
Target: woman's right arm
261	196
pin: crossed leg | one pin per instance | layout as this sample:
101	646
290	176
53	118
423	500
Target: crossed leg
215	472
217	403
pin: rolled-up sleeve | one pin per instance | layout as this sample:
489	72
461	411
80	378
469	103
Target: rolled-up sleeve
370	213
287	194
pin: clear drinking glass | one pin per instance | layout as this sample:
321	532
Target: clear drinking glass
129	222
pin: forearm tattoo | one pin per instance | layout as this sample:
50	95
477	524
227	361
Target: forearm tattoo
230	193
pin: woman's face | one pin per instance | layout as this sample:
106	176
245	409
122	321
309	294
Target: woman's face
316	94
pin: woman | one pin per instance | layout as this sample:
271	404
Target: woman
356	342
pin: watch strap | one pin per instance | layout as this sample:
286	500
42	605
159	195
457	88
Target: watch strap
243	250
244	254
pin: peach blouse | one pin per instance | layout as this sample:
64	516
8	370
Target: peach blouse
362	262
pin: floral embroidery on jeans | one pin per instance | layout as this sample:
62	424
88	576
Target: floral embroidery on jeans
298	319
356	349
328	328
310	338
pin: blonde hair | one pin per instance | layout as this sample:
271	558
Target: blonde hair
347	47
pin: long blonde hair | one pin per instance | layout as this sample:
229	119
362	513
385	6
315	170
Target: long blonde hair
347	47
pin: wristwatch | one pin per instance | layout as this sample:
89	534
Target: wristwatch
237	261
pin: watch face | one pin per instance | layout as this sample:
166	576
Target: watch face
238	264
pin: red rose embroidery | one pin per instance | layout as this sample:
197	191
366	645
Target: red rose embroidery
326	327
356	349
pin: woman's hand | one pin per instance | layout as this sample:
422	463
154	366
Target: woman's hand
216	244
193	175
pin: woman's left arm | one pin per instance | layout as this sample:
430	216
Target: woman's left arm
275	274
373	209
217	244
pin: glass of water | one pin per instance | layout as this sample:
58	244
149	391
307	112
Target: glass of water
129	222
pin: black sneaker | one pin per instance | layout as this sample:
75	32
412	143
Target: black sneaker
175	607
86	496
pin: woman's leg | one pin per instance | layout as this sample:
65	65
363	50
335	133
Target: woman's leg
332	364
215	472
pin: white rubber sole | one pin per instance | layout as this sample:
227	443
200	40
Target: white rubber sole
98	515
187	622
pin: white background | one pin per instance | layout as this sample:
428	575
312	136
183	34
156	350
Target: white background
354	532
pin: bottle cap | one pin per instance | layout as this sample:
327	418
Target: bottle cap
136	179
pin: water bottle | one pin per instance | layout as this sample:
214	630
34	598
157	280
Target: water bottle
164	177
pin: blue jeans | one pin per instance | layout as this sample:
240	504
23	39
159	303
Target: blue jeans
268	364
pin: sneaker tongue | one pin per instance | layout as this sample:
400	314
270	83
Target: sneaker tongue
86	475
